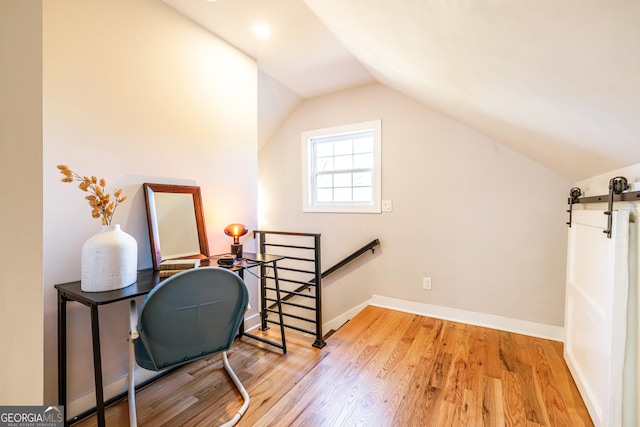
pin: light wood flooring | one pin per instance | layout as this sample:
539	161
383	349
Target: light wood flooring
383	368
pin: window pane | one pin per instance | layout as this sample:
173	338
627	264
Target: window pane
343	147
362	179
342	180
363	161
362	194
324	181
324	149
342	195
363	145
343	162
324	164
324	195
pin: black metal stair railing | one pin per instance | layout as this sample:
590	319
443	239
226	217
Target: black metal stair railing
366	248
300	277
301	253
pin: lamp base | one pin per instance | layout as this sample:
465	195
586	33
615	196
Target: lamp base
236	249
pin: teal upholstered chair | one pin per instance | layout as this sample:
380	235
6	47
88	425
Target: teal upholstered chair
188	316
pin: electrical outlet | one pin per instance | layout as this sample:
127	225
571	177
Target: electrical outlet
426	283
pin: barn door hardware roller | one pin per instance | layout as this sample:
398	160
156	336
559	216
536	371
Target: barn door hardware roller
575	193
617	185
618	192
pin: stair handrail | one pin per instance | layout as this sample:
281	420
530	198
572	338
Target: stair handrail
368	247
346	260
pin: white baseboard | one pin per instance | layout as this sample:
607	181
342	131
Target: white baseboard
87	402
540	330
252	322
335	323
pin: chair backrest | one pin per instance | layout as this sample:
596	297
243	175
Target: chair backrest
190	315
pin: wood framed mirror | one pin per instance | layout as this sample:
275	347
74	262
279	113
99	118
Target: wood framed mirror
176	222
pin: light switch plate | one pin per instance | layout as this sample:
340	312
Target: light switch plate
387	206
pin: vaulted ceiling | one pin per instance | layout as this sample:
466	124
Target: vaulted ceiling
556	80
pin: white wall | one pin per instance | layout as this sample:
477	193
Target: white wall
134	92
275	103
487	224
21	329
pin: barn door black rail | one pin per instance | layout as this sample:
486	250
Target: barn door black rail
618	187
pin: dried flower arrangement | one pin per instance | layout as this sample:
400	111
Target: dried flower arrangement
100	202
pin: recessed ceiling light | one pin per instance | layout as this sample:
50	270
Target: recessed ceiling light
262	31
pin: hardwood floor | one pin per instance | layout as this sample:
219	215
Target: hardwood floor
383	368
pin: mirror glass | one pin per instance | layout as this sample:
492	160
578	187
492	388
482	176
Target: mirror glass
176	222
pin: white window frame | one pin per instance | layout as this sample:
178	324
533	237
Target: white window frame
308	181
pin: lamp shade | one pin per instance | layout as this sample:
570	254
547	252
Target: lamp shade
236	231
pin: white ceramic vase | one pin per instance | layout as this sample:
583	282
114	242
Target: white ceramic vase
109	260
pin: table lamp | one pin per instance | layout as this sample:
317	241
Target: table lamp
236	231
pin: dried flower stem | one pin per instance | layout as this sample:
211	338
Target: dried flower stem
100	201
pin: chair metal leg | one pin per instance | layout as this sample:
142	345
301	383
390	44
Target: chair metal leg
133	334
133	422
241	389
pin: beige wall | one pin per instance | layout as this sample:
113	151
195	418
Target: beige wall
21	329
485	223
134	93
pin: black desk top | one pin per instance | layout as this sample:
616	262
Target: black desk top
148	279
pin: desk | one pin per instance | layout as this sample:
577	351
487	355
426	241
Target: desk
146	281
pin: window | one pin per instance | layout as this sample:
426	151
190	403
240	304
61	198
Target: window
341	168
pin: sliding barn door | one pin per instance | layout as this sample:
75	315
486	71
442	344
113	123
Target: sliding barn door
595	312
